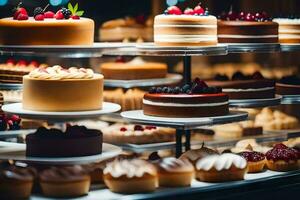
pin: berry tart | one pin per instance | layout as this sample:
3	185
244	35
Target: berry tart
247	28
191	27
65	27
289	30
240	86
135	69
288	85
191	100
283	158
256	161
56	89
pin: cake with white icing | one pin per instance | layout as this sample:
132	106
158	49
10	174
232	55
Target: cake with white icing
58	89
289	30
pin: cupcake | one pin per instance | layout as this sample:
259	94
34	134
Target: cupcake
130	176
174	172
68	181
283	158
256	161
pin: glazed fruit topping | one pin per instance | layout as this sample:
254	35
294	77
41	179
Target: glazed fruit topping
58	15
239	76
39	17
189	11
150	127
66	13
173	10
11	123
138	128
252	156
242	16
282	152
198	10
123	129
49	14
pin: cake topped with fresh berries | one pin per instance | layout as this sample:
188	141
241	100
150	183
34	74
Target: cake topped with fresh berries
189	27
246	27
191	100
241	86
46	27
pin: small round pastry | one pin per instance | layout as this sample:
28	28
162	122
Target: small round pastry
174	172
16	182
221	168
283	158
130	176
69	181
256	161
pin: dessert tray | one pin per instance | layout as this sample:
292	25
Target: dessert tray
137	116
255	103
253	47
16	108
290	99
10	86
170	79
16	152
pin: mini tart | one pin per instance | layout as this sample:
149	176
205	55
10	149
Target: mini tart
174	172
221	168
256	161
69	181
130	176
283	158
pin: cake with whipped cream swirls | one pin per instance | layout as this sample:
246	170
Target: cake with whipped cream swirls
191	100
135	69
57	89
289	30
191	27
247	28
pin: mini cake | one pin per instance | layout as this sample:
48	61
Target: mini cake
174	172
241	86
130	176
221	168
194	27
283	158
247	28
137	134
289	30
256	161
67	181
75	141
289	85
127	29
191	100
57	89
46	28
133	70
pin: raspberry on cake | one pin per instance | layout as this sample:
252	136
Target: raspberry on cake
191	100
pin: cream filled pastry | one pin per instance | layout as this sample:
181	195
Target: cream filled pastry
56	89
130	176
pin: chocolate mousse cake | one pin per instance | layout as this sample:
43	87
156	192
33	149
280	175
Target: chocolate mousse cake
191	100
75	141
247	28
240	86
289	85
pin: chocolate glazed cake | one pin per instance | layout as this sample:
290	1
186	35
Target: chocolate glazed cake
75	141
194	100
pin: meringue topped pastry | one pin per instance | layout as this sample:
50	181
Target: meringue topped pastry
57	89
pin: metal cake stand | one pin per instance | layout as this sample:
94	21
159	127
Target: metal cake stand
290	47
255	103
11	86
290	99
253	47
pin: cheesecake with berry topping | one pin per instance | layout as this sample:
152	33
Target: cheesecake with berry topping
240	86
193	27
247	28
57	89
46	28
191	100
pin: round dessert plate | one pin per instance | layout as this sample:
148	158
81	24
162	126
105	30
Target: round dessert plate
11	86
17	108
170	79
138	116
18	154
253	47
290	99
255	103
290	47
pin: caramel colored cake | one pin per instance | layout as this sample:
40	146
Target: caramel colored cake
240	86
75	141
247	28
57	89
195	100
289	30
133	70
289	85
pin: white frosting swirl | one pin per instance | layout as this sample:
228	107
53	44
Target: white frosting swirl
129	168
57	73
221	162
176	165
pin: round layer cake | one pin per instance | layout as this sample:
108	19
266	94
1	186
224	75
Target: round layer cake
195	100
133	70
289	85
47	32
57	89
289	30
